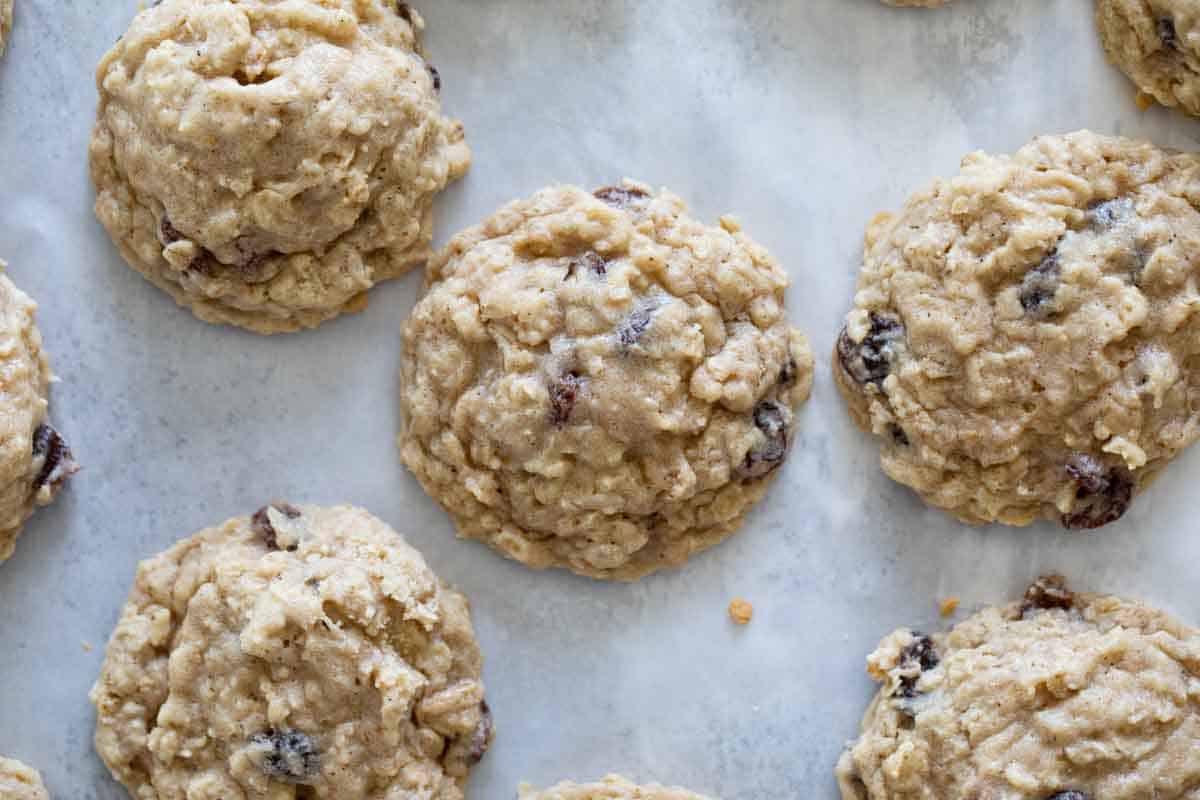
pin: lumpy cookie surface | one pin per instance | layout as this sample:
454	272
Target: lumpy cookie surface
1025	339
1157	44
612	787
1061	696
35	461
303	652
599	382
267	161
19	782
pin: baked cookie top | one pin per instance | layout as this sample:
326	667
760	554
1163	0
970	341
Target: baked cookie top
301	652
599	381
268	161
1157	44
35	460
612	787
1025	335
1061	696
19	782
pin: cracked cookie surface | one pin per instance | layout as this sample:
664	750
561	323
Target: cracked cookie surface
1025	339
35	461
266	162
1059	696
302	652
20	782
1157	44
599	382
612	787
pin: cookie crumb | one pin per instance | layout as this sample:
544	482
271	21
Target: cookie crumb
740	611
948	606
1144	101
86	645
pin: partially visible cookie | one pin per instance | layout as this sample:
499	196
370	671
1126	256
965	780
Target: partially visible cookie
1025	339
299	652
35	461
6	17
600	382
612	787
19	782
1059	696
1157	44
267	162
916	3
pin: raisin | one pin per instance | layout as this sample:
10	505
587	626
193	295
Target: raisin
593	262
564	393
1103	494
787	375
1048	591
918	653
899	436
634	326
481	737
436	76
870	361
1070	794
621	196
167	233
1166	32
261	523
405	12
288	756
1109	213
57	462
770	418
1039	286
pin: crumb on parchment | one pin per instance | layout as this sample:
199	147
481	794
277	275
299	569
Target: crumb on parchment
948	606
741	611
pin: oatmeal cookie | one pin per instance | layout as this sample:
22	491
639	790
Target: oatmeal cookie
1157	44
19	782
613	787
300	652
1060	696
267	161
600	382
1025	340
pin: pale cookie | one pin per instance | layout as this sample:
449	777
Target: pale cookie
613	787
19	782
302	652
35	461
1025	339
268	161
916	3
1058	697
6	17
600	382
1157	44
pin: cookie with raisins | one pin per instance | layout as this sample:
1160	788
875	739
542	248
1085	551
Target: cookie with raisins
1157	44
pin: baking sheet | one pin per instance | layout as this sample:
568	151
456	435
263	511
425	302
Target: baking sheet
804	117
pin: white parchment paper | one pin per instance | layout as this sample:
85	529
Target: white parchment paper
804	117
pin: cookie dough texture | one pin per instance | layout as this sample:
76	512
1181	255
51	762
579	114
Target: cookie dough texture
6	17
1157	44
600	382
34	460
267	161
1025	339
303	652
1060	696
613	787
19	782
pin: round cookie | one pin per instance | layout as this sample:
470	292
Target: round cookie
612	787
35	461
267	161
600	382
1059	697
1157	44
301	650
19	782
6	17
1025	339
